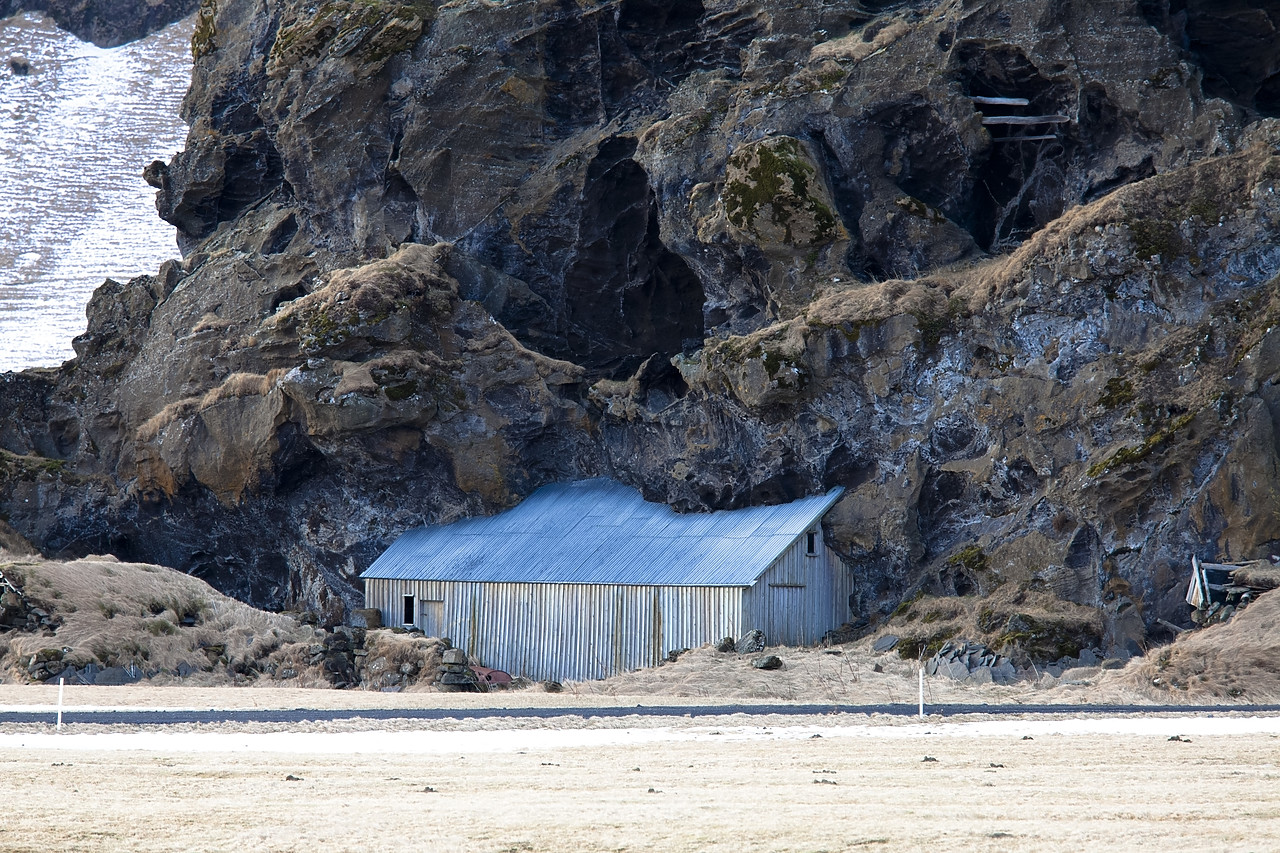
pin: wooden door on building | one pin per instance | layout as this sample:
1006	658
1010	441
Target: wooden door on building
432	621
786	614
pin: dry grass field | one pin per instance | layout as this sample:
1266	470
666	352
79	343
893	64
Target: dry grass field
767	792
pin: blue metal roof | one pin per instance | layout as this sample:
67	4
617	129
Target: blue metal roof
602	532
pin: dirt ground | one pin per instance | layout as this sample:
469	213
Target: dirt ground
589	783
861	785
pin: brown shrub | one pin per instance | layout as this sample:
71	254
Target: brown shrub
1236	661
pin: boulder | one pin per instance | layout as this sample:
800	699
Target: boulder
751	643
114	676
367	618
981	675
767	662
885	643
1004	672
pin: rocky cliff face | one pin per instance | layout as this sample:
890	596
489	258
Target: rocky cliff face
1005	271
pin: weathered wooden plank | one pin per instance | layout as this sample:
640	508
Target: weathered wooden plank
1039	138
1025	120
1000	102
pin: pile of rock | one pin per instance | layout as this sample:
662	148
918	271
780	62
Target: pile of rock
336	651
972	662
46	664
49	665
455	675
18	613
1087	658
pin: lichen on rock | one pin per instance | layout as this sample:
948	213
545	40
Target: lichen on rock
774	193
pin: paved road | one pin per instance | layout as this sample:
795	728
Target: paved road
166	717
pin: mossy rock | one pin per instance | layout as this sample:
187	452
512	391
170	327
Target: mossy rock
1133	454
925	646
934	326
1045	640
971	559
1116	393
369	32
31	468
1152	237
773	193
202	38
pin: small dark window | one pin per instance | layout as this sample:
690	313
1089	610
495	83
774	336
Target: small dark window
811	543
409	609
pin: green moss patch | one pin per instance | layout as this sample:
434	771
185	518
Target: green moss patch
30	468
934	326
370	31
202	38
916	648
1117	392
1047	640
1132	454
971	559
776	175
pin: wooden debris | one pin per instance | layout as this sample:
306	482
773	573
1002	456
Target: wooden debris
1025	120
1218	590
1000	102
1038	138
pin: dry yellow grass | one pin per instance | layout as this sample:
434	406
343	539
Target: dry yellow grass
1261	574
1235	662
1016	622
121	614
810	675
992	793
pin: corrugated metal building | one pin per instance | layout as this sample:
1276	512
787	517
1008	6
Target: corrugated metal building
584	580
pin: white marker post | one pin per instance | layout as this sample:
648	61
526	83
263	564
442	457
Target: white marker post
922	693
61	683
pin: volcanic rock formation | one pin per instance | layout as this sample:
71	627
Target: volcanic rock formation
1006	271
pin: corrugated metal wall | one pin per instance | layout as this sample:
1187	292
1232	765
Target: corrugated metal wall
587	631
800	597
564	631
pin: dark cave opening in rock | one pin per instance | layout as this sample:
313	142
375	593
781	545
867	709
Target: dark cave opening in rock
1236	43
1267	99
626	295
1020	187
252	171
